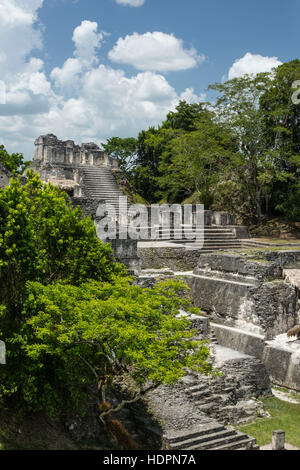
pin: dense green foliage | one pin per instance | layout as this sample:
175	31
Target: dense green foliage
124	150
241	154
69	316
43	239
70	336
13	162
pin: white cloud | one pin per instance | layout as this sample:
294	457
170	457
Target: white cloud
131	3
87	40
27	88
17	35
155	51
67	76
83	100
252	64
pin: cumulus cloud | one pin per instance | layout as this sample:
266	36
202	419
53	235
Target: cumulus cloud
252	64
17	35
131	3
83	100
155	51
87	40
26	85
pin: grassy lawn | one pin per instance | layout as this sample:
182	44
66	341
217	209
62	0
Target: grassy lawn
284	415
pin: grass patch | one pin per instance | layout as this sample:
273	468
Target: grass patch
284	415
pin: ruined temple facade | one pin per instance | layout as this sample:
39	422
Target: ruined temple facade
88	175
50	150
5	176
66	164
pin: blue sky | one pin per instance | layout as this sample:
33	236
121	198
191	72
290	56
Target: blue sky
90	69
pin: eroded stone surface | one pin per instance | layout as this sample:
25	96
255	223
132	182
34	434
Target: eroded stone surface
247	291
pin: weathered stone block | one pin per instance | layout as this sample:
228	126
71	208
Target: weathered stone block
278	440
239	340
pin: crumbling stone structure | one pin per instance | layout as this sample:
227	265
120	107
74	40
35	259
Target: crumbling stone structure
86	173
248	290
5	176
65	164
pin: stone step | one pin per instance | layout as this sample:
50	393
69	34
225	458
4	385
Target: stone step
205	229
179	436
206	236
213	248
229	442
202	394
200	232
115	200
101	187
200	228
99	177
244	444
208	243
208	407
209	399
99	181
200	440
196	388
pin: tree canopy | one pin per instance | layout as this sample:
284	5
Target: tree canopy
70	316
72	336
241	153
42	238
13	162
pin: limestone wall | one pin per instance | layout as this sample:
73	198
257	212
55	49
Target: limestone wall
246	291
280	356
240	340
50	150
5	176
174	258
283	365
4	179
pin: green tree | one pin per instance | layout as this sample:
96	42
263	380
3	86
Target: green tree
73	336
124	150
70	317
42	238
238	107
13	162
154	149
281	119
186	116
145	170
194	161
261	115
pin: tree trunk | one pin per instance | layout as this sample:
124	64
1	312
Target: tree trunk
258	206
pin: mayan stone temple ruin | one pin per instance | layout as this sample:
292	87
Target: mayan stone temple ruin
248	292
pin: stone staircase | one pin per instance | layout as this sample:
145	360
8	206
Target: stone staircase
213	237
100	183
213	338
206	397
209	398
210	437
